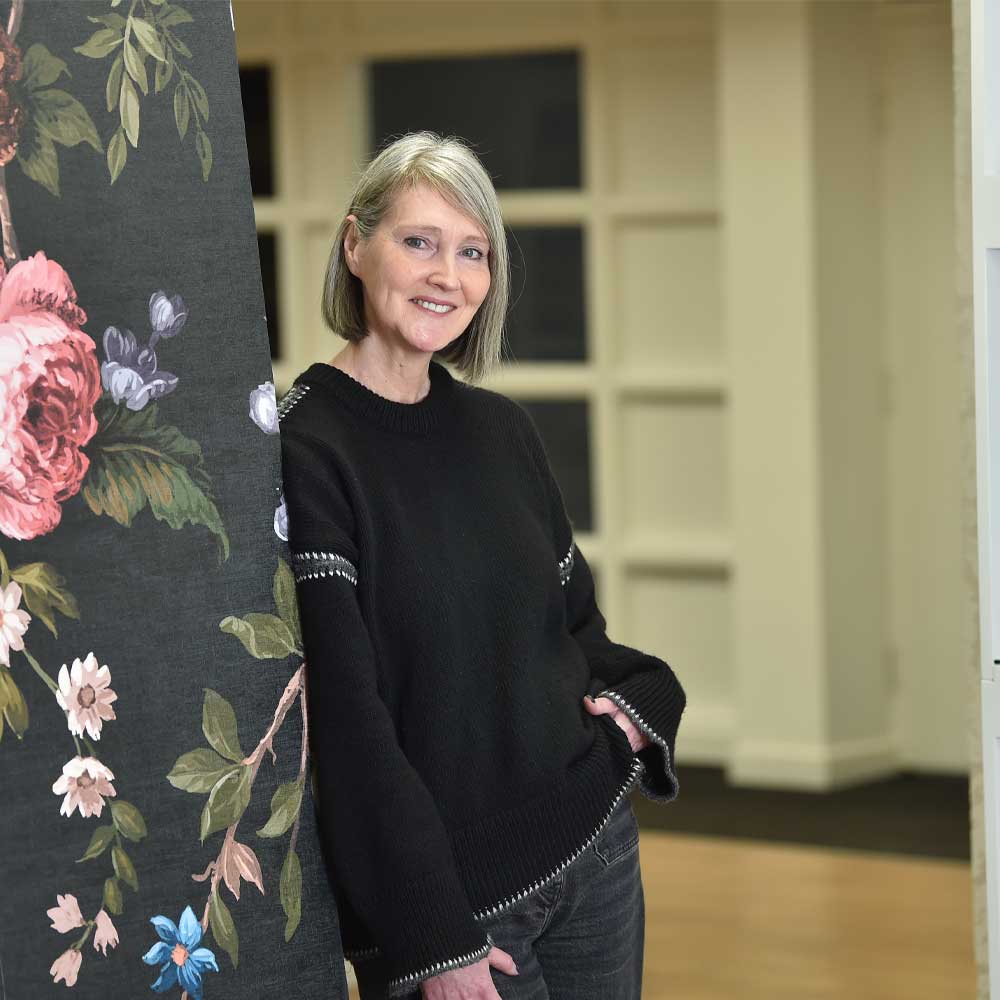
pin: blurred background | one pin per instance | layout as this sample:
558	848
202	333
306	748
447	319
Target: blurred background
735	321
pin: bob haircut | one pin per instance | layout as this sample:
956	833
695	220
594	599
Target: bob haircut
452	169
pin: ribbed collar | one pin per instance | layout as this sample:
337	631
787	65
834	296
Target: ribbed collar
412	418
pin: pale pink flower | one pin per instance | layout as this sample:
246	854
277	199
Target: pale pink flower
66	966
66	915
84	693
50	380
105	935
13	621
239	861
84	781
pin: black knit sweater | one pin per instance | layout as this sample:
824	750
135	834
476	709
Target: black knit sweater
450	633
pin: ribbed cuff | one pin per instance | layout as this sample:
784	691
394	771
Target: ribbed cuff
654	700
438	930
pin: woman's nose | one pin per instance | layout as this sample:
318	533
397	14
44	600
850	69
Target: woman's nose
446	274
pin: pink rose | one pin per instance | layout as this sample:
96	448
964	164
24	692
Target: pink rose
50	380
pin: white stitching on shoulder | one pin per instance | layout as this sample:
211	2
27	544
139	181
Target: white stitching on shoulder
313	565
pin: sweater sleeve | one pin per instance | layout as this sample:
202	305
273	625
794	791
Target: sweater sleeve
379	824
641	684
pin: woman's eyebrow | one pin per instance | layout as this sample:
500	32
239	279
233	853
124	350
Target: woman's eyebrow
437	230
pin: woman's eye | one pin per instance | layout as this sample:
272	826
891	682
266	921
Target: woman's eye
420	238
482	256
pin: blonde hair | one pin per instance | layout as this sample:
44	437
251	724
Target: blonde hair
452	169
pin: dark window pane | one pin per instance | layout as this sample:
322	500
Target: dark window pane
267	249
546	319
521	113
565	430
255	88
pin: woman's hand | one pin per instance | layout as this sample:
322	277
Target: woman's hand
470	982
601	706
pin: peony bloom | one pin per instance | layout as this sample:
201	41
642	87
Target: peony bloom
49	383
105	935
66	915
13	622
264	408
84	781
66	966
182	960
85	695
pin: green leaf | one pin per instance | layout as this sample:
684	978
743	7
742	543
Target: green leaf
204	147
164	71
290	892
117	153
128	108
223	928
227	801
113	88
15	708
102	836
128	819
286	602
182	109
41	67
176	15
112	896
285	805
148	38
198	95
135	463
64	119
218	722
124	868
37	156
198	770
135	67
109	20
100	43
44	592
177	43
265	636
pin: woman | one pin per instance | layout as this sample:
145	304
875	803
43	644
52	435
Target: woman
472	799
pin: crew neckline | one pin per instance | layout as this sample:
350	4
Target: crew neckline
416	418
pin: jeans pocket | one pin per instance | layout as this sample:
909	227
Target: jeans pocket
620	836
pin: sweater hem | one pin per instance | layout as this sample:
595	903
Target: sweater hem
635	768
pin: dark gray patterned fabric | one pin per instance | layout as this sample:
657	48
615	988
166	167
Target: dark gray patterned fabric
157	827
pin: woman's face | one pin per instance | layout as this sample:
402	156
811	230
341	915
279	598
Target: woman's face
423	252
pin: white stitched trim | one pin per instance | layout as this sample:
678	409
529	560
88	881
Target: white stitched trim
291	397
438	967
312	565
566	565
645	727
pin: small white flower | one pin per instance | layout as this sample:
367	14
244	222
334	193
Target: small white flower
85	695
13	622
264	408
85	782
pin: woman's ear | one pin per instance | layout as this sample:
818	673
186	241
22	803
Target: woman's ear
351	244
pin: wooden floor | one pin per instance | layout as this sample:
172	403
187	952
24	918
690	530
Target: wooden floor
730	919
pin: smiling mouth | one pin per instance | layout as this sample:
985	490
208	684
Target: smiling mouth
433	307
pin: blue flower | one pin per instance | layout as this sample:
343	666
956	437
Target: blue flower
183	961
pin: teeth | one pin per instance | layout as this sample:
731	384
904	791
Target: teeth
433	307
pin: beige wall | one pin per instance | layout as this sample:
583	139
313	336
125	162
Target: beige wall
773	380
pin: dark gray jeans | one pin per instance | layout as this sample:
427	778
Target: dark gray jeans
580	937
